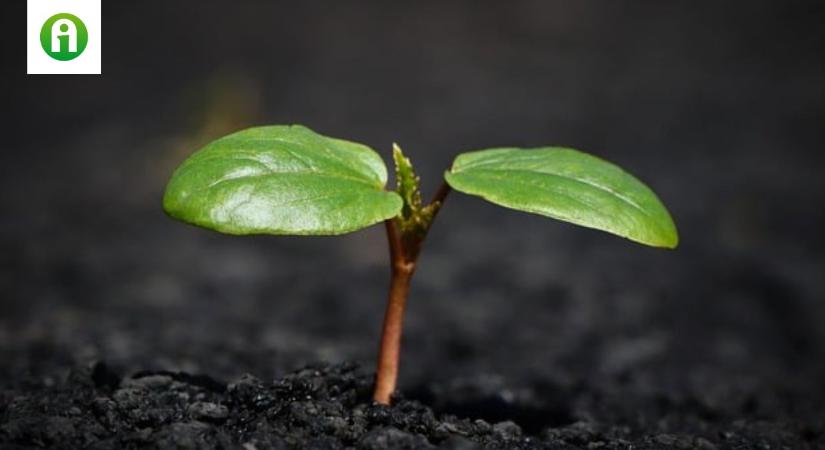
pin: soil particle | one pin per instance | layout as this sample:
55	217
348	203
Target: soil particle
207	411
391	437
318	407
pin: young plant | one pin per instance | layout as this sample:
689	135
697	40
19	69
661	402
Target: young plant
289	180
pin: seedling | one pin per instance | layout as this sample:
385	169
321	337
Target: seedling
289	180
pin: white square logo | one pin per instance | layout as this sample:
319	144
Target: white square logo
63	37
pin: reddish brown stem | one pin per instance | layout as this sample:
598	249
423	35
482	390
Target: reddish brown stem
388	355
441	195
403	255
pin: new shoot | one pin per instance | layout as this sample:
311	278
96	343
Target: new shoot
289	180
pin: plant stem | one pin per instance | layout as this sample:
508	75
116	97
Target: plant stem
403	256
440	196
390	350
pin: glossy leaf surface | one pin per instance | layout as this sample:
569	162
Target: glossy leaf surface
567	185
281	180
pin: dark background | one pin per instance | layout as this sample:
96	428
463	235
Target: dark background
718	106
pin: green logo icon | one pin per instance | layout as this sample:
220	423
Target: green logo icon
64	37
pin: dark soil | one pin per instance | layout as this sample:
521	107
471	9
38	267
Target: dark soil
329	407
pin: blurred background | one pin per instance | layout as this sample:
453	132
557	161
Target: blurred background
718	106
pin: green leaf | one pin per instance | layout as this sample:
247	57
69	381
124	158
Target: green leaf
281	180
567	185
414	218
408	184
